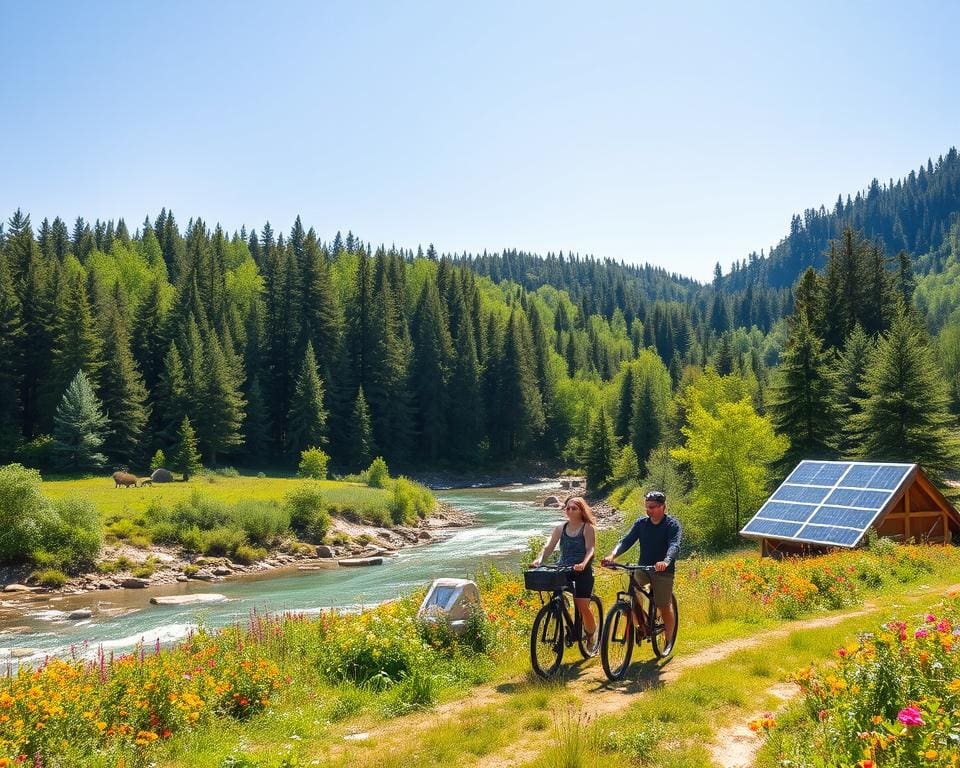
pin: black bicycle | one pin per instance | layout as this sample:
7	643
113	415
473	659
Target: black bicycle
633	618
555	628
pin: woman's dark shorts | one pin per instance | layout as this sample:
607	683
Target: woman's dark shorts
582	583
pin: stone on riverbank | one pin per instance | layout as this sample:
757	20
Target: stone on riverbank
19	588
133	582
200	597
80	613
357	561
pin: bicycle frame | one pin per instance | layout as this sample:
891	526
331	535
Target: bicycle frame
572	622
647	625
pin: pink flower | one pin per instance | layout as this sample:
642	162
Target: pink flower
841	652
920	633
910	716
931	618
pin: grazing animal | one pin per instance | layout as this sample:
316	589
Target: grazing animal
125	479
145	481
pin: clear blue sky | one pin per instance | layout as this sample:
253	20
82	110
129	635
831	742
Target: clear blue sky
679	136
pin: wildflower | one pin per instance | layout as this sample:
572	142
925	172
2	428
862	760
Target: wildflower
865	764
910	716
920	634
931	754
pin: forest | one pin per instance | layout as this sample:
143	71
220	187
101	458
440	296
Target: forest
253	346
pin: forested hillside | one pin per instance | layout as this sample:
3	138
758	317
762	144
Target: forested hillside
914	214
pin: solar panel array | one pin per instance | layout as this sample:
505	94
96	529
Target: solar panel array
828	502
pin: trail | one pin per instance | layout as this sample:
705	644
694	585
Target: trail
733	746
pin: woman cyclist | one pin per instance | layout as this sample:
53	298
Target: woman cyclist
577	538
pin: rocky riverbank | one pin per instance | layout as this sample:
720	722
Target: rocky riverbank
122	566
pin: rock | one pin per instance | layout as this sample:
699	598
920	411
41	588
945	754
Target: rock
182	577
18	588
199	597
318	565
551	501
133	582
80	613
22	653
162	475
106	585
424	534
222	570
203	575
324	551
355	561
356	737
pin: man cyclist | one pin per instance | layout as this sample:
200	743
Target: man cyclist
659	535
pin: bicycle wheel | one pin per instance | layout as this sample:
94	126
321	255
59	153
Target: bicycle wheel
596	608
663	646
546	640
616	645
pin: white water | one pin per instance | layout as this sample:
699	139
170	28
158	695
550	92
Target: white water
506	519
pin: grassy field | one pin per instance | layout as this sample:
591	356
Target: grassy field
113	501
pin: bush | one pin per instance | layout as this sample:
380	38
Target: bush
22	508
308	511
245	554
261	521
37	453
73	531
50	577
159	460
313	463
222	541
377	473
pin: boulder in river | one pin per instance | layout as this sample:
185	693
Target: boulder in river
198	598
324	551
355	561
80	613
22	653
18	588
551	501
134	582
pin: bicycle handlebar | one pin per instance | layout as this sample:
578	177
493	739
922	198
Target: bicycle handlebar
644	568
551	567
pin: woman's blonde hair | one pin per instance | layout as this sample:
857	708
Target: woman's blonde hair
585	512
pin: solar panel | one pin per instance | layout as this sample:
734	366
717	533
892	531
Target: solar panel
828	502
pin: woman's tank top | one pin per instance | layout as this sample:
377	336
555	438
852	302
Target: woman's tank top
572	548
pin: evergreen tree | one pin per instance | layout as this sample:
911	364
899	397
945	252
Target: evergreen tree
172	400
308	418
647	426
76	344
601	451
362	448
625	401
123	394
851	369
808	301
78	428
11	330
256	428
905	415
220	412
186	457
465	406
430	372
801	401
518	414
149	340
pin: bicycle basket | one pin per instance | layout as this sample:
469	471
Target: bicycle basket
545	579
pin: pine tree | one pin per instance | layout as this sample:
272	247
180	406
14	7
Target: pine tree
518	416
808	301
150	341
430	372
220	412
186	457
647	426
600	452
801	403
625	401
466	416
79	425
256	428
308	417
905	415
171	399
76	344
123	394
851	368
11	330
362	448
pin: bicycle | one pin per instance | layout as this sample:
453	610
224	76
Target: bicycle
554	628
619	628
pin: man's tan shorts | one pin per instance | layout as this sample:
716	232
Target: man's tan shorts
661	584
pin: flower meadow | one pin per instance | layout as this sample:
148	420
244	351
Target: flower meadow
890	699
121	711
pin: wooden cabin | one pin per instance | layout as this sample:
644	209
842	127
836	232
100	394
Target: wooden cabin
826	505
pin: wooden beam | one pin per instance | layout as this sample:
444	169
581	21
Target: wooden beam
906	515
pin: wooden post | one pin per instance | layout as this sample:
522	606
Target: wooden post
906	516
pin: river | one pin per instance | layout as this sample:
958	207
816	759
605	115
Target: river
506	519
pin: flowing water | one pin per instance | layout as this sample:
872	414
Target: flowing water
506	518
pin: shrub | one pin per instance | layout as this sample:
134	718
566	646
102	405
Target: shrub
146	569
313	463
262	521
377	473
159	460
37	453
307	511
73	531
50	577
222	541
22	508
245	554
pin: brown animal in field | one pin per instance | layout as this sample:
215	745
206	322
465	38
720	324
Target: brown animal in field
145	481
125	479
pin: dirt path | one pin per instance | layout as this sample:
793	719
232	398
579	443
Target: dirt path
734	746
